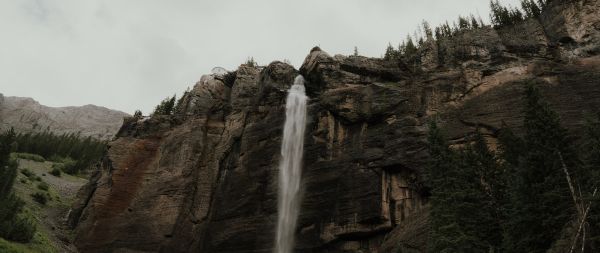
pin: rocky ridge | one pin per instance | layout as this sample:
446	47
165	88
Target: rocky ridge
27	115
205	179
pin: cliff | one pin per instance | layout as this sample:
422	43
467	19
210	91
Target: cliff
205	179
27	115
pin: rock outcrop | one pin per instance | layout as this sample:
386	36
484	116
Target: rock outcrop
27	115
205	179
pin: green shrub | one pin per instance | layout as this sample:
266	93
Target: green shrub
15	226
55	172
40	197
23	180
165	107
7	247
32	157
27	172
56	158
68	166
43	186
22	230
37	178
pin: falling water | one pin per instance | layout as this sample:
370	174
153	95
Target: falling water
290	166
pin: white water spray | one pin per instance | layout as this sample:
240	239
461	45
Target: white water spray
292	148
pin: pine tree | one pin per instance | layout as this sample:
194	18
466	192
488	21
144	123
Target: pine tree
137	114
12	225
427	30
8	168
510	146
541	203
474	23
165	107
485	181
445	234
590	179
456	221
463	23
390	53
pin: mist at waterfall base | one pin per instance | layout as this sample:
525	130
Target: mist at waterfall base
290	170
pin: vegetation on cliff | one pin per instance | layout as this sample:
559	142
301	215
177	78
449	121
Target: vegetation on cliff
535	194
412	50
165	107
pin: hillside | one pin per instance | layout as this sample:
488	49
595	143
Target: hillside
52	233
28	115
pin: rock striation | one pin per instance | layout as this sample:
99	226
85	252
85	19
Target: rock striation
205	178
27	115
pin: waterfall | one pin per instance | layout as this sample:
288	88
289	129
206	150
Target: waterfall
292	148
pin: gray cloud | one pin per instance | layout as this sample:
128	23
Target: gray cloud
130	54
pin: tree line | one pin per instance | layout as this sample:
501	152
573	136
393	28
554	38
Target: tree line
75	152
500	16
536	192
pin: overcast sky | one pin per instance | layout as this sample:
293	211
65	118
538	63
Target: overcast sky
129	55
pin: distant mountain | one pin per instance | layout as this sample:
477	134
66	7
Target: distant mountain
28	115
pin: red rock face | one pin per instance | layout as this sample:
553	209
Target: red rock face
130	159
205	179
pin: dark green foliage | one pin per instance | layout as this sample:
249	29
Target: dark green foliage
43	186
12	226
179	106
519	200
531	8
55	172
28	156
510	146
60	148
541	204
8	167
5	247
445	233
463	23
251	62
26	172
22	229
70	166
475	23
590	177
391	54
467	189
8	173
137	114
407	51
485	187
40	197
505	16
427	29
165	107
410	52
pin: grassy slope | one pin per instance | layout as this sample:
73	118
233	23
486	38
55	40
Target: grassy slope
52	234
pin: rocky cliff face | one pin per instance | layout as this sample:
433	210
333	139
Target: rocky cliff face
205	179
27	115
